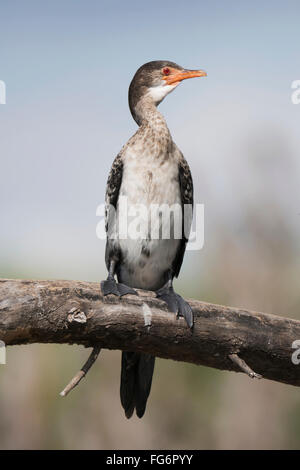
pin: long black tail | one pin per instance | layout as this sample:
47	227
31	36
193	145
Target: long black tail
136	378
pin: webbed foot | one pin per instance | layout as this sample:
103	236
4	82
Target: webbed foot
176	304
110	286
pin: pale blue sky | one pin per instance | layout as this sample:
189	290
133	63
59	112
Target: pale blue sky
67	66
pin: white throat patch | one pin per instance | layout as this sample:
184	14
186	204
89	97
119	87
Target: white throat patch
159	92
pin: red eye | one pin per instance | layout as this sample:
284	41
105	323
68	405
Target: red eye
166	71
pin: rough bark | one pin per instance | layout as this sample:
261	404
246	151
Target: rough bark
75	312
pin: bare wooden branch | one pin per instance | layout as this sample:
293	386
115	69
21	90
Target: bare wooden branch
75	312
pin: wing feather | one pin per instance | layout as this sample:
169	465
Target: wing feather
111	199
187	202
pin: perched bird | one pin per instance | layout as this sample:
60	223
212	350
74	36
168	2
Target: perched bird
150	171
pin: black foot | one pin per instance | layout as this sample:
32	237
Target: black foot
110	286
176	304
123	289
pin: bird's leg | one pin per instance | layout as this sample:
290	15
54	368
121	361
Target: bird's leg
175	302
110	286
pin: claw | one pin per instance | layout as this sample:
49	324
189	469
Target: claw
186	311
176	304
168	296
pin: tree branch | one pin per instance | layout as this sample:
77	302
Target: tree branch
75	312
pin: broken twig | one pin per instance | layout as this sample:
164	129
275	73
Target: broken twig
244	367
83	371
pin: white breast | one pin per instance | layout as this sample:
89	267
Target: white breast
149	182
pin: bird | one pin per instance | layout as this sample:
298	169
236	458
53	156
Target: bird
150	172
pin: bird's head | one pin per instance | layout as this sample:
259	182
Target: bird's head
155	80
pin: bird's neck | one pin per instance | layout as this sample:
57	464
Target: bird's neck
153	135
147	114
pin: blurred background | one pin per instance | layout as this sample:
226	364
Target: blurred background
67	66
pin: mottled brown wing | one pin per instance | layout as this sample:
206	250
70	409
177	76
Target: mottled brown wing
187	198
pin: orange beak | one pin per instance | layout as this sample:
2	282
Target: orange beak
178	76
